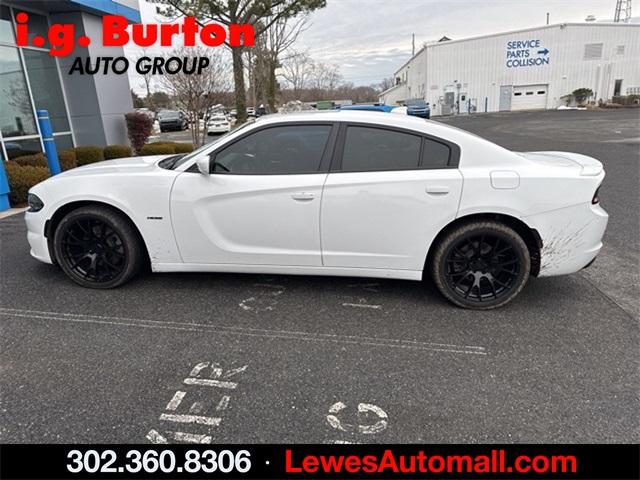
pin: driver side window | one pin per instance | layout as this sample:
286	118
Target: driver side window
281	150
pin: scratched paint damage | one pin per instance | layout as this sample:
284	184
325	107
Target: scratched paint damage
562	246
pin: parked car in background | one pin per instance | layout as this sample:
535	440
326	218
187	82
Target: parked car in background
251	112
336	193
368	108
218	124
262	110
171	120
418	108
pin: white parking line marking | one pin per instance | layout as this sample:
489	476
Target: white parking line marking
361	305
154	437
210	383
223	403
195	378
174	403
364	426
359	340
377	427
172	417
264	300
191	437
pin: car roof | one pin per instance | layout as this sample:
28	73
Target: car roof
359	116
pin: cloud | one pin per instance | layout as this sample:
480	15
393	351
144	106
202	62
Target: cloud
371	39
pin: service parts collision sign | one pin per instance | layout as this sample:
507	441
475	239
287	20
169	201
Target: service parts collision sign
62	40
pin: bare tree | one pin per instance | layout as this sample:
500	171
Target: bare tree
386	84
196	93
324	76
260	13
147	78
277	39
295	69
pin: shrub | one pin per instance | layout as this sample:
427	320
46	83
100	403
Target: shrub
22	178
183	147
36	160
139	127
67	159
88	154
117	151
157	149
581	94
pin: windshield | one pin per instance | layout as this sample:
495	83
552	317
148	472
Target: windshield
168	115
206	147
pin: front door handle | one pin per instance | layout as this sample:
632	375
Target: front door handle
437	190
303	196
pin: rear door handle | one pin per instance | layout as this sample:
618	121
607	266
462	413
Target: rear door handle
303	196
437	190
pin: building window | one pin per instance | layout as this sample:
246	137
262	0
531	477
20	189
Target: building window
38	26
21	147
29	80
16	111
6	26
63	141
617	88
593	51
620	50
45	87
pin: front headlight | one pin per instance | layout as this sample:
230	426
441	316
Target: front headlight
35	203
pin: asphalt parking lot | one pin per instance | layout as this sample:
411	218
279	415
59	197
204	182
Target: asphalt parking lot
312	359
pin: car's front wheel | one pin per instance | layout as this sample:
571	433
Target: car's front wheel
481	265
98	247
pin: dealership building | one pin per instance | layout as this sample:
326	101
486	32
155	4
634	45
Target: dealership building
519	70
84	109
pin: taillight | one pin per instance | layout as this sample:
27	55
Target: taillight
596	197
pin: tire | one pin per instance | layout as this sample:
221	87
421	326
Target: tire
98	247
480	265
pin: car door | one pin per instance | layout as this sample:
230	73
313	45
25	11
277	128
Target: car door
261	203
387	196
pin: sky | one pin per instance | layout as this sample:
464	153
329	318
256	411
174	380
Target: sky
370	39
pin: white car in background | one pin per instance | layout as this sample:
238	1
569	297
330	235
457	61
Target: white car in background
218	124
360	194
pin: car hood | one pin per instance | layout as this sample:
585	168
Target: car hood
121	165
587	166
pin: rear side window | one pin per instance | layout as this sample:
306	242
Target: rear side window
283	150
435	154
378	149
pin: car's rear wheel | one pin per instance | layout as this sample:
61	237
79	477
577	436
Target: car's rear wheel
98	247
481	265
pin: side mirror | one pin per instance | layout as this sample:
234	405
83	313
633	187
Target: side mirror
203	163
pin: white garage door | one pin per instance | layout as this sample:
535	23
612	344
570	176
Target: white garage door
529	97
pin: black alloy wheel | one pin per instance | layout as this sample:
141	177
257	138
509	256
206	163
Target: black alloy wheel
97	247
481	265
93	250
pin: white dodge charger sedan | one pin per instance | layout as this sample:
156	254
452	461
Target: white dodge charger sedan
361	194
